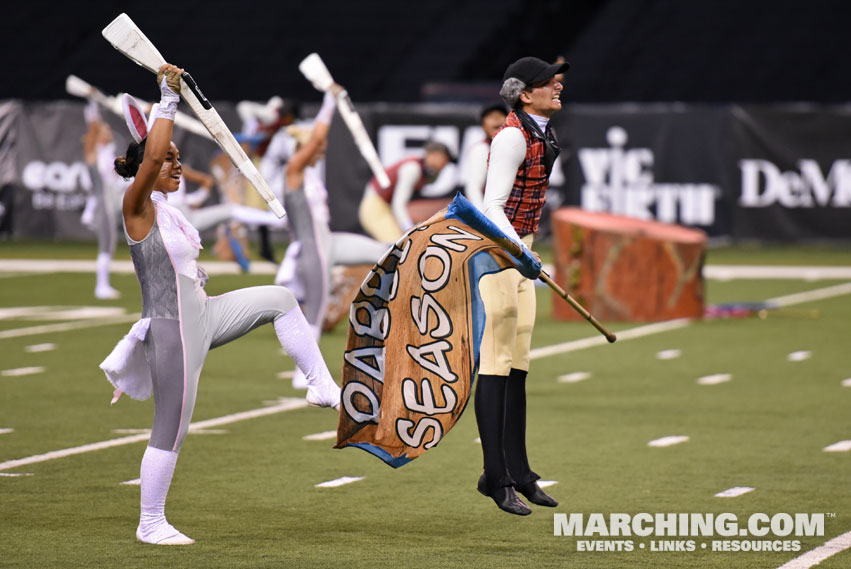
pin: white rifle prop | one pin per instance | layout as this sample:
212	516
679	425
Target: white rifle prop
314	69
127	38
79	88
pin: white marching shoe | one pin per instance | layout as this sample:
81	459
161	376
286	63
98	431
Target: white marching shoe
323	393
165	534
106	293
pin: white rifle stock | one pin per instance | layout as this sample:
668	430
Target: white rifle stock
314	69
127	38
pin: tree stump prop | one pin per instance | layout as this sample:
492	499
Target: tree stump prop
625	269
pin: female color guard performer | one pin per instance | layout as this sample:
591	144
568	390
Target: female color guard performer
103	206
165	351
315	249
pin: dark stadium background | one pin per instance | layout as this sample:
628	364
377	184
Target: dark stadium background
621	50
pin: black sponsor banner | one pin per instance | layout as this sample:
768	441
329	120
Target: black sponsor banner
52	181
49	180
745	172
655	162
792	173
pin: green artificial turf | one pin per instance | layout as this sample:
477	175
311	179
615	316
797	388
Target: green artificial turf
248	497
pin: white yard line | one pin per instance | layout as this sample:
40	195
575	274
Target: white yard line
34	266
714	272
67	326
637	332
19	371
668	325
730	272
820	553
599	340
810	295
288	404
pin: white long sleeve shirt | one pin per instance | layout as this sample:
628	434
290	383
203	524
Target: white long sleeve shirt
409	175
476	172
508	150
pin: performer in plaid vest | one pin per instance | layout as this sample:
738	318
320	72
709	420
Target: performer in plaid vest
521	158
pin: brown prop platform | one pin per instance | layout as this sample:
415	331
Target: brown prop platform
625	269
345	285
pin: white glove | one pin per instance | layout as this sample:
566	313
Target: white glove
326	112
91	112
169	82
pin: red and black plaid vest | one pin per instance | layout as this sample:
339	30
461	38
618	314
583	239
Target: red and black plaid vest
527	198
393	173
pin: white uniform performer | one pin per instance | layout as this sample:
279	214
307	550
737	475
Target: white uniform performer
203	218
164	352
475	161
315	249
104	204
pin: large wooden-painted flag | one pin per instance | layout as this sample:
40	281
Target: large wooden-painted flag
414	333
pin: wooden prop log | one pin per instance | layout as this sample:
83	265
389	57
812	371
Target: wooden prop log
627	269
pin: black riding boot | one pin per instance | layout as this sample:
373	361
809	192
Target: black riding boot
515	441
490	417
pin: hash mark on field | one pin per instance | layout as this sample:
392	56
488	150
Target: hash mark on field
668	354
134	482
846	382
339	481
799	356
286	374
668	441
841	446
733	492
547	483
714	379
22	371
15	474
820	553
46	347
574	377
323	436
6	431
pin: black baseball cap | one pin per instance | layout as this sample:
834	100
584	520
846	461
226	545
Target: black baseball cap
532	70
